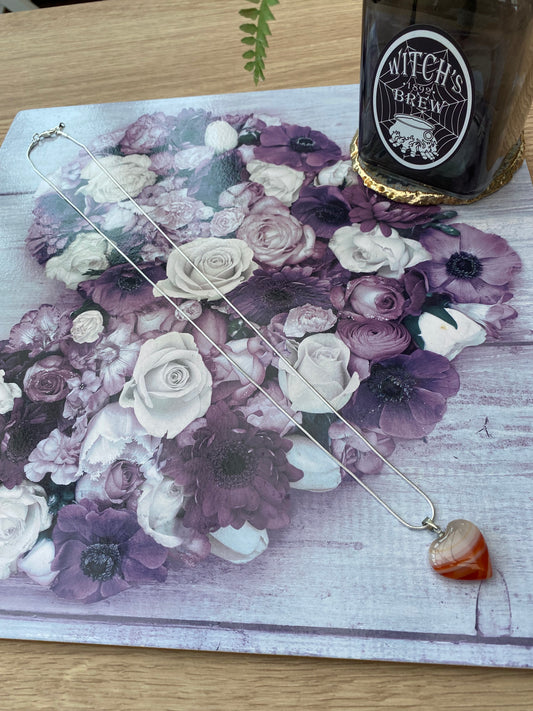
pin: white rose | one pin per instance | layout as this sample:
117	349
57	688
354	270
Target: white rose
170	386
323	361
130	171
159	504
23	515
372	252
335	174
238	545
8	393
221	137
87	326
279	181
321	473
226	262
443	338
87	253
37	564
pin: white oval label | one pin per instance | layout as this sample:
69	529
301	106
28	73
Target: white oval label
422	98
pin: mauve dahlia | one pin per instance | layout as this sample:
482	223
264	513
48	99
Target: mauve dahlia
101	551
299	147
267	294
373	339
370	209
324	208
474	267
404	396
235	473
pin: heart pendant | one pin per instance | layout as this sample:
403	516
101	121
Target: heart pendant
461	552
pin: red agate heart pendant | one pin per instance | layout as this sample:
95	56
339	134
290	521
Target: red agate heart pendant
461	552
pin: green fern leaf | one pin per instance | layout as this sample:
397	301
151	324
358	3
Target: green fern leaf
256	33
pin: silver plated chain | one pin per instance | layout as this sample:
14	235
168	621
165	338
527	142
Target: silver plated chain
427	523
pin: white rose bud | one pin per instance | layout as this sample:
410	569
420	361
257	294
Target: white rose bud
87	326
238	545
37	564
8	393
321	473
279	181
221	137
443	338
87	253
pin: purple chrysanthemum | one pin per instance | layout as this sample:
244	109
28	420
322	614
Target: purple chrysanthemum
323	208
475	267
404	396
235	473
299	147
101	551
122	290
370	209
28	424
267	294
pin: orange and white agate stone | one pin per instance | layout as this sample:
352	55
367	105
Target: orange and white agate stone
461	553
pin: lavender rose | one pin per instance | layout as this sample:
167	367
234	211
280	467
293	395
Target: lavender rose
371	296
275	236
150	131
373	339
308	319
170	386
46	380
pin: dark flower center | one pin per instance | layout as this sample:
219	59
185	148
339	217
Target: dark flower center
233	465
464	265
100	561
22	441
280	297
332	214
130	282
393	384
302	144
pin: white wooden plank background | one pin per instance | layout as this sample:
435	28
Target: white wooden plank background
345	579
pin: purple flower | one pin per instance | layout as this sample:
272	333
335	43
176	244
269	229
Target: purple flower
149	132
370	209
404	396
85	394
491	317
121	290
354	453
235	473
299	147
265	295
54	225
101	551
57	455
473	268
371	296
47	380
29	423
323	208
373	339
39	331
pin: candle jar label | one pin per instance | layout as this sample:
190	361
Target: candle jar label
422	97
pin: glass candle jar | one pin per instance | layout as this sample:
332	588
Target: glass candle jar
446	86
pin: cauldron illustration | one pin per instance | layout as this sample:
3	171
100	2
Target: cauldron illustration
413	136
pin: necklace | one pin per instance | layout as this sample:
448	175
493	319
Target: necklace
458	552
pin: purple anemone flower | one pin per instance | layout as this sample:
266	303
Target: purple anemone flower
323	208
265	294
234	473
404	396
370	209
101	551
473	268
122	290
299	147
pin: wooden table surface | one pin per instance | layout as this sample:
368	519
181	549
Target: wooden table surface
122	50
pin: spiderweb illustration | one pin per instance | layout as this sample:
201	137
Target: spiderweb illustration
445	110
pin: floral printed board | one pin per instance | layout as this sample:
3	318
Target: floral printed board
147	485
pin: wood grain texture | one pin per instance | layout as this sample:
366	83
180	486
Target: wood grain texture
120	50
